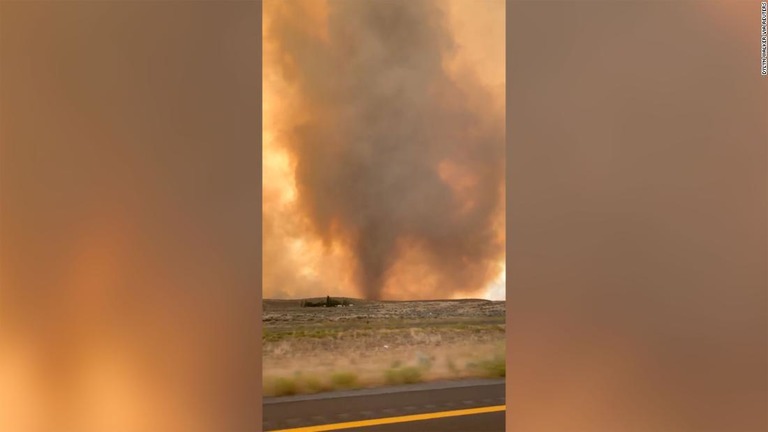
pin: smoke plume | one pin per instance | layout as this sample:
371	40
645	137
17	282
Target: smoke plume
396	159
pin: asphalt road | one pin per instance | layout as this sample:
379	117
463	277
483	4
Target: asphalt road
452	406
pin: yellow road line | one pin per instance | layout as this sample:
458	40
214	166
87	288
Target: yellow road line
400	419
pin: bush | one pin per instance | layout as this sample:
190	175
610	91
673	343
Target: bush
285	387
328	302
314	385
344	379
405	375
493	368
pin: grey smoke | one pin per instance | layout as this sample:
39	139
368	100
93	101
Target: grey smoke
383	115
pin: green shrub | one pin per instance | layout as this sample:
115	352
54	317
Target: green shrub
493	368
314	385
344	379
405	375
285	387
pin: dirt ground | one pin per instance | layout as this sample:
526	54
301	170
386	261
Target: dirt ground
370	343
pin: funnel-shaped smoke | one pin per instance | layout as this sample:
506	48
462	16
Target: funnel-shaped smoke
397	160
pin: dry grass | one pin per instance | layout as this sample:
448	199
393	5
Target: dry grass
309	350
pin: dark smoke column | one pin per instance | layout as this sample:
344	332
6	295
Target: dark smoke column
392	155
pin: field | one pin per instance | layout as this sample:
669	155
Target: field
374	343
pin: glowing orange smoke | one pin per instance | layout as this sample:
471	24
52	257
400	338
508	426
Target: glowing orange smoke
301	261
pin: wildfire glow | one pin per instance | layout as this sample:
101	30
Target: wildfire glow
302	262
